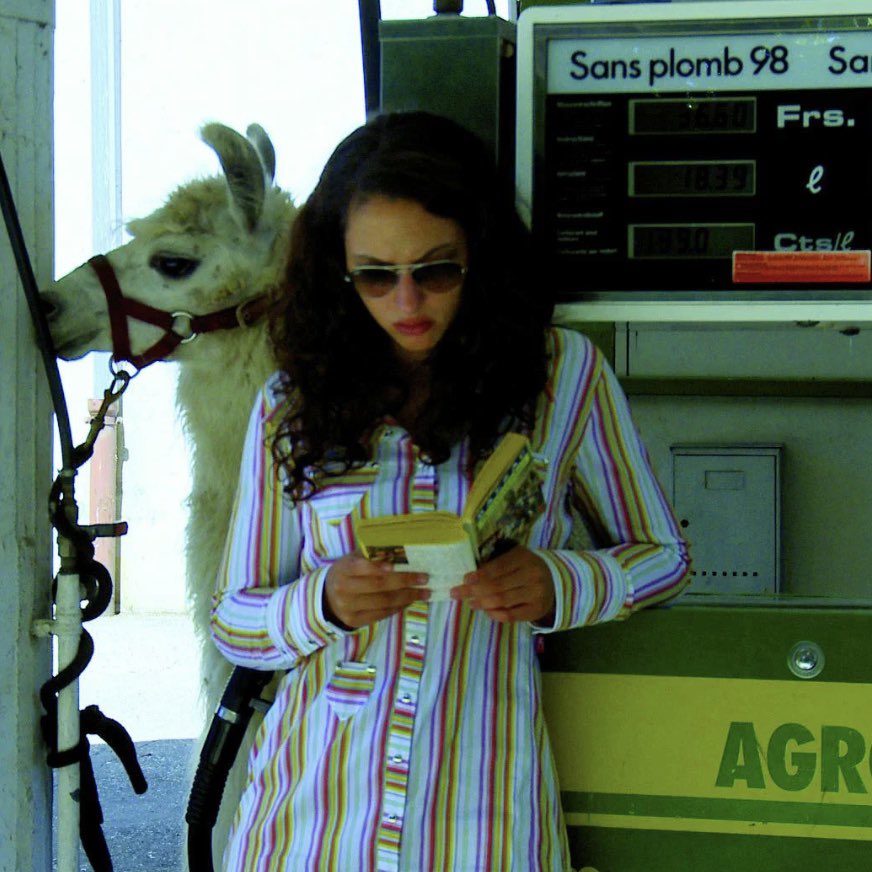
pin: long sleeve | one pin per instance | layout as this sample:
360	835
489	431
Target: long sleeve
266	612
639	557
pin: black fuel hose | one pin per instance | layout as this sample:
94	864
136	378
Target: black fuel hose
225	735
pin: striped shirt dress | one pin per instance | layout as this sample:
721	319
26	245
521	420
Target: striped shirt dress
418	743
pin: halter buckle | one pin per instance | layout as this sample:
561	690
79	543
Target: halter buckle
187	319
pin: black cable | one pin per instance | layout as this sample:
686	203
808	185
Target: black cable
43	334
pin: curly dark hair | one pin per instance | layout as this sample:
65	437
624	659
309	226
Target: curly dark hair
340	375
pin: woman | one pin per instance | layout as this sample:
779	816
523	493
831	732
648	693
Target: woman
409	735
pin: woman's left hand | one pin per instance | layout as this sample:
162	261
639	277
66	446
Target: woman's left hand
516	586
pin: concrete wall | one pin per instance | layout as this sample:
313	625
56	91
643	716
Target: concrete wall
25	440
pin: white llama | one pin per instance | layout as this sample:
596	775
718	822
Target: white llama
214	244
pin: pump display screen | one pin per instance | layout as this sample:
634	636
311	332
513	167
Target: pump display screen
662	147
695	178
689	240
693	116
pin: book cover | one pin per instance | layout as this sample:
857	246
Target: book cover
503	502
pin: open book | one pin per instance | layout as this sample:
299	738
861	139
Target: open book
503	502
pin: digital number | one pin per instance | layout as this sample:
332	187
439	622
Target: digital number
671	241
720	115
689	241
692	178
714	178
692	116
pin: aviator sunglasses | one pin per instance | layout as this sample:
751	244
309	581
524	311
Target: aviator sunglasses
434	277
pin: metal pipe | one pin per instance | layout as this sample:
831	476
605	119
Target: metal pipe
67	628
370	15
105	490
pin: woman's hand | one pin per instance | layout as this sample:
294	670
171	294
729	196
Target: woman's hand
516	586
358	591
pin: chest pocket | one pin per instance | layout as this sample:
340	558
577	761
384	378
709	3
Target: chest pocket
333	508
350	688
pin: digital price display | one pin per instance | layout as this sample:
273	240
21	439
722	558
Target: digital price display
693	115
658	143
695	178
681	241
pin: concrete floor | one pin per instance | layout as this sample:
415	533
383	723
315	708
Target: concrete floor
144	674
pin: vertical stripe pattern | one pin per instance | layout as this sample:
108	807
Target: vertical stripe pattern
418	744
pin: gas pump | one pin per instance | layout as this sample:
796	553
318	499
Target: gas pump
698	175
697	178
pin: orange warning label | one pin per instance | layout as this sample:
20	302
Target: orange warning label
818	267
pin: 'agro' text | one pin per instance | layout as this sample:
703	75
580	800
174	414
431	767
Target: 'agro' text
795	758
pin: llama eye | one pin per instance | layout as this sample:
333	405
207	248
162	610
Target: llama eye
174	266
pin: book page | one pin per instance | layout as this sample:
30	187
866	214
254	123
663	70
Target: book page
445	564
511	448
512	508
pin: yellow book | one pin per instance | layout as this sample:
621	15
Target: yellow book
503	502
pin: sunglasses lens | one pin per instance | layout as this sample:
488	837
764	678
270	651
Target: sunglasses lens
438	277
435	278
374	281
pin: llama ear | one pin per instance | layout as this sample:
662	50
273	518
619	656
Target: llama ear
242	168
259	138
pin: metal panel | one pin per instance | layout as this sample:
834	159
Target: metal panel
776	351
728	501
683	740
462	68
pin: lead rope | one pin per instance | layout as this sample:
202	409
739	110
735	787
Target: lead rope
92	581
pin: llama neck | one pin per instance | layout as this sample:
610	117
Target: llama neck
215	401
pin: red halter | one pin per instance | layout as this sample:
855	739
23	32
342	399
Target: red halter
179	326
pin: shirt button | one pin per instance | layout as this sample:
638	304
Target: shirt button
415	640
392	818
397	758
406	698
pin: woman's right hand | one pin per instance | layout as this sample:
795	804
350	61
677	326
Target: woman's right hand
358	591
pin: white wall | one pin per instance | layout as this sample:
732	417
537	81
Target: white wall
25	440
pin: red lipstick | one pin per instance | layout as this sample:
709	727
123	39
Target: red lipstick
413	326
